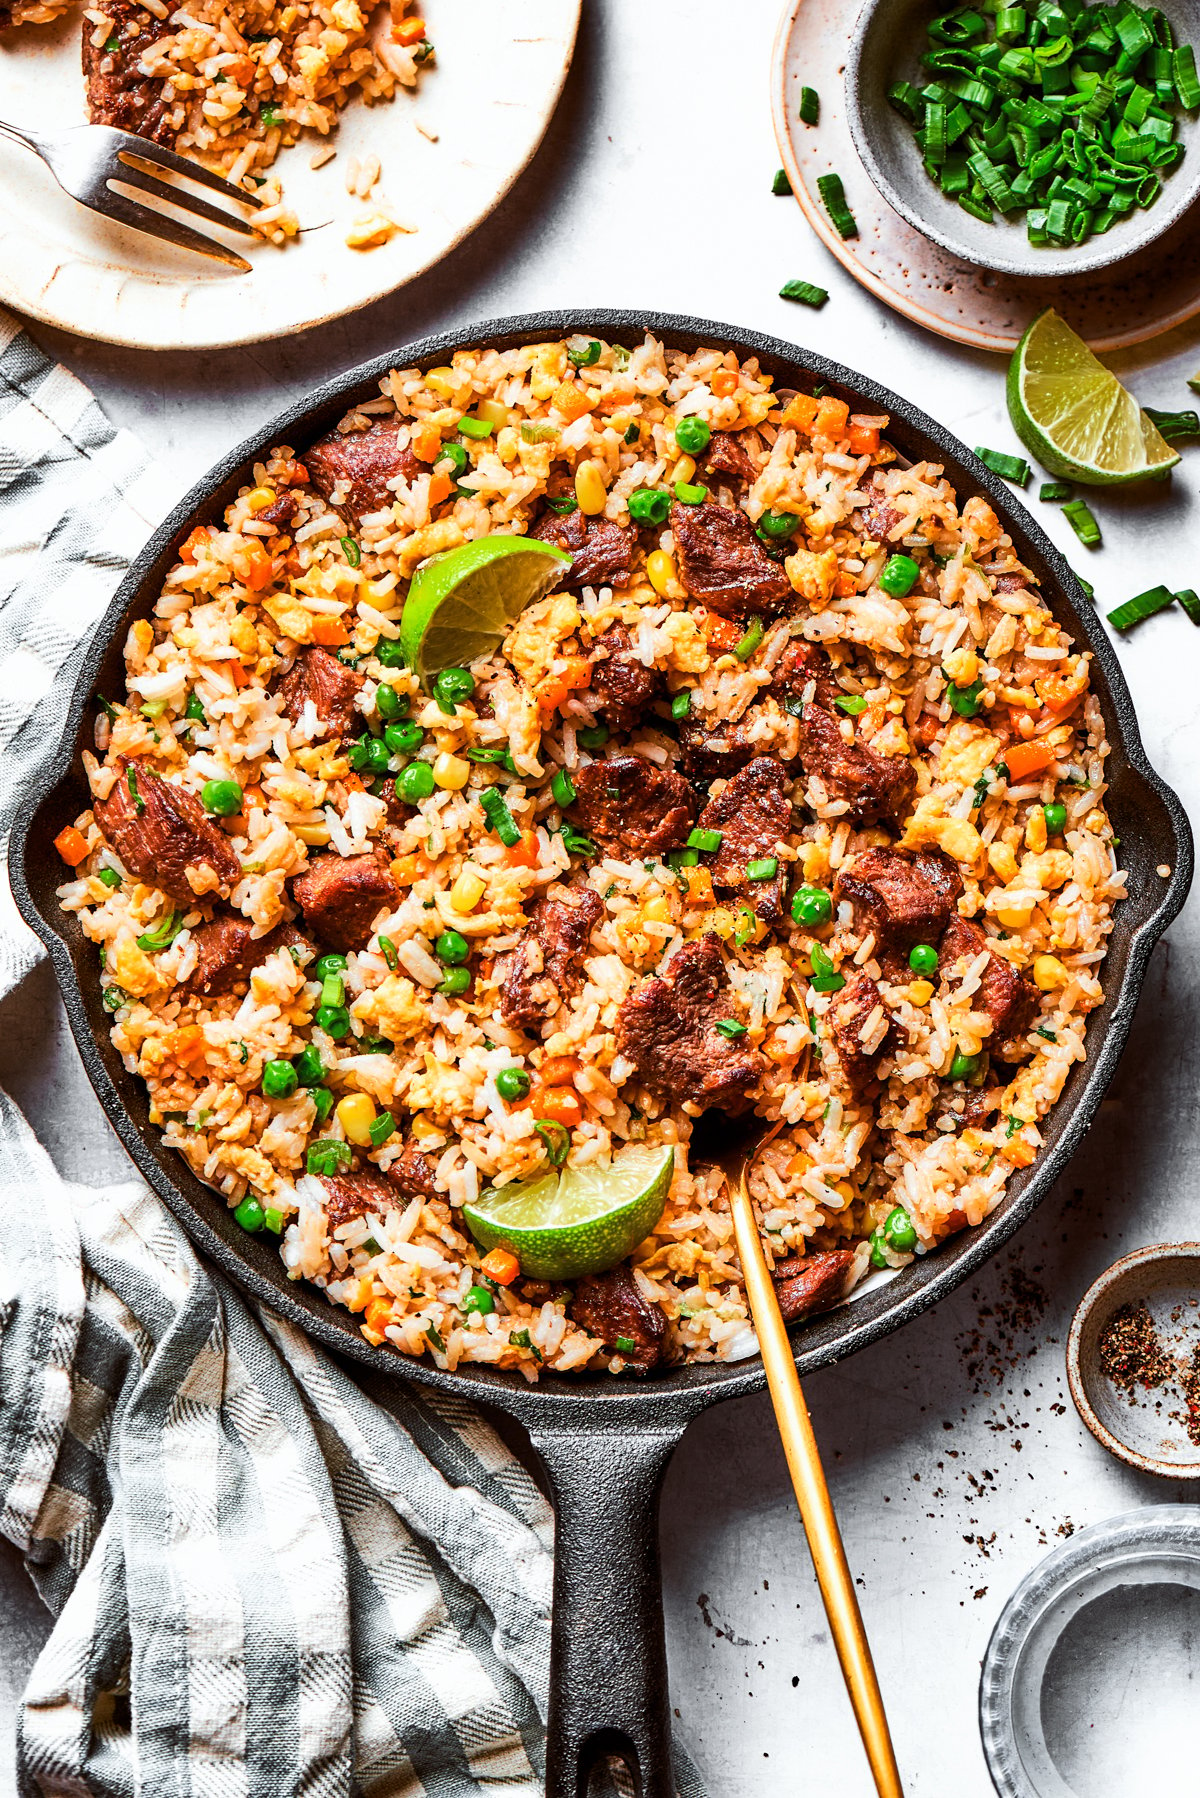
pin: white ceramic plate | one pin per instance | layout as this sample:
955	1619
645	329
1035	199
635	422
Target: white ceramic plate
500	68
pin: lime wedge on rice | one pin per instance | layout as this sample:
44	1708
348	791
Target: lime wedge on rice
579	1221
1073	414
462	604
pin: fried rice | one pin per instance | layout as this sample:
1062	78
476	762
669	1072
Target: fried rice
940	1122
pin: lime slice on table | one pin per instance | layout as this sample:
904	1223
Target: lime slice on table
462	604
1073	414
579	1221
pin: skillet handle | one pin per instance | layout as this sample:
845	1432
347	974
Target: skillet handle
608	1658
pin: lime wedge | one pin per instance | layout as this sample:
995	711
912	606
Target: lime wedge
581	1221
1074	415
462	604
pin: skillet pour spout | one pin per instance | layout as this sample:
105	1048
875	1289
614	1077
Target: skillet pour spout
605	1443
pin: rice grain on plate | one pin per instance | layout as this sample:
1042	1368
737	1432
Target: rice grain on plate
889	954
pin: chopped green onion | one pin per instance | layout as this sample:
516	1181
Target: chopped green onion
745	647
730	1027
584	355
556	1138
690	493
565	504
780	183
162	935
681	705
1174	425
328	1156
851	703
563	789
826	978
1142	605
1080	517
707	840
747	925
805	292
834	198
499	818
1190	601
478	428
765	868
810	106
1054	490
352	552
1010	468
593	736
387	949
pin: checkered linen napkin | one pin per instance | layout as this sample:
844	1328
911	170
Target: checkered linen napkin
268	1579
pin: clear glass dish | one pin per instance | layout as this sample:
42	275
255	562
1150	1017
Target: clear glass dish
1090	1680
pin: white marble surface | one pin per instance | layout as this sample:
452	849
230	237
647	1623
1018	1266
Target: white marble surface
953	1451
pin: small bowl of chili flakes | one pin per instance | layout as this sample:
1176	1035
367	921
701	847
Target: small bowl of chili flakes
1133	1359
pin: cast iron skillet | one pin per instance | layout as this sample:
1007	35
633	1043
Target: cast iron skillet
605	1442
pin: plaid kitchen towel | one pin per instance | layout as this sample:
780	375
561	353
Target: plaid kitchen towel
268	1579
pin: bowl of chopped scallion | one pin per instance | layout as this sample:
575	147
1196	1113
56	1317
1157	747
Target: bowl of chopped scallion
1054	137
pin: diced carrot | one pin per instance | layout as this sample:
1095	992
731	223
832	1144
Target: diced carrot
407	869
330	633
293	474
558	1070
1027	758
524	854
700	887
259	568
188	548
378	1315
864	440
500	1265
721	634
572	672
1058	691
561	1105
237	672
1020	1151
440	488
724	383
427	443
846	585
252	796
570	401
187	1045
831	417
801	412
409	31
71	845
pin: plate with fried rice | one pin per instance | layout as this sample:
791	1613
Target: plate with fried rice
808	790
374	137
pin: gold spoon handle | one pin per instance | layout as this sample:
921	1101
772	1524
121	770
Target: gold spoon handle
812	1496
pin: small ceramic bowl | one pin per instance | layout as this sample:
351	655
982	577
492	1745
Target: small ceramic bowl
886	47
1145	1426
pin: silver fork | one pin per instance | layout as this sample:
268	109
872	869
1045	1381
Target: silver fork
88	159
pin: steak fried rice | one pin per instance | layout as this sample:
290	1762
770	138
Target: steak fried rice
788	800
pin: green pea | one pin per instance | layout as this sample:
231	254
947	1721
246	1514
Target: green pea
415	783
899	1231
812	905
457	981
250	1215
389	704
512	1083
456	455
310	1069
963	1067
222	797
692	435
877	1241
402	739
452	686
334	1020
923	959
1056	819
649	505
451	949
389	653
279	1080
778	525
330	964
322	1099
480	1300
900	576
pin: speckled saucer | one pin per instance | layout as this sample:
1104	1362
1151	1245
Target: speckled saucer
1141	298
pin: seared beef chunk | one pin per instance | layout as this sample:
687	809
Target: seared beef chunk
227	953
350	1196
622	686
365	461
811	1284
722	563
342	897
601	552
872	786
727	455
849	1012
668	1029
878	518
160	830
752	814
546	969
975	1106
331	686
118	94
1009	999
630	804
905	896
1013	581
413	1173
713	751
610	1306
280	512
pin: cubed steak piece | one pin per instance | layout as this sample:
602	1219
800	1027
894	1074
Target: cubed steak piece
1009	999
331	686
722	563
631	805
118	93
753	813
863	1029
160	831
727	455
547	968
878	518
357	466
667	1028
341	897
713	751
351	1196
612	1308
905	896
601	552
227	953
413	1173
280	512
813	1283
1013	580
623	688
870	786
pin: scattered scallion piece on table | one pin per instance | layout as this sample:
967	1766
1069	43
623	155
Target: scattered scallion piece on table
810	106
1082	521
1174	425
780	184
1190	601
1054	490
833	197
1142	605
1009	468
805	292
1086	585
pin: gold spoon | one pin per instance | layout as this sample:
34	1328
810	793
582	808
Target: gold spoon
808	1477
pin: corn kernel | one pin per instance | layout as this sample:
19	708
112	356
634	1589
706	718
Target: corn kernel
1002	861
356	1114
683	470
1035	830
451	772
358	1297
661	570
1049	973
657	910
590	490
962	665
315	835
722	922
467	890
443	381
920	992
244	637
507	444
1095	822
260	499
1015	917
492	412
